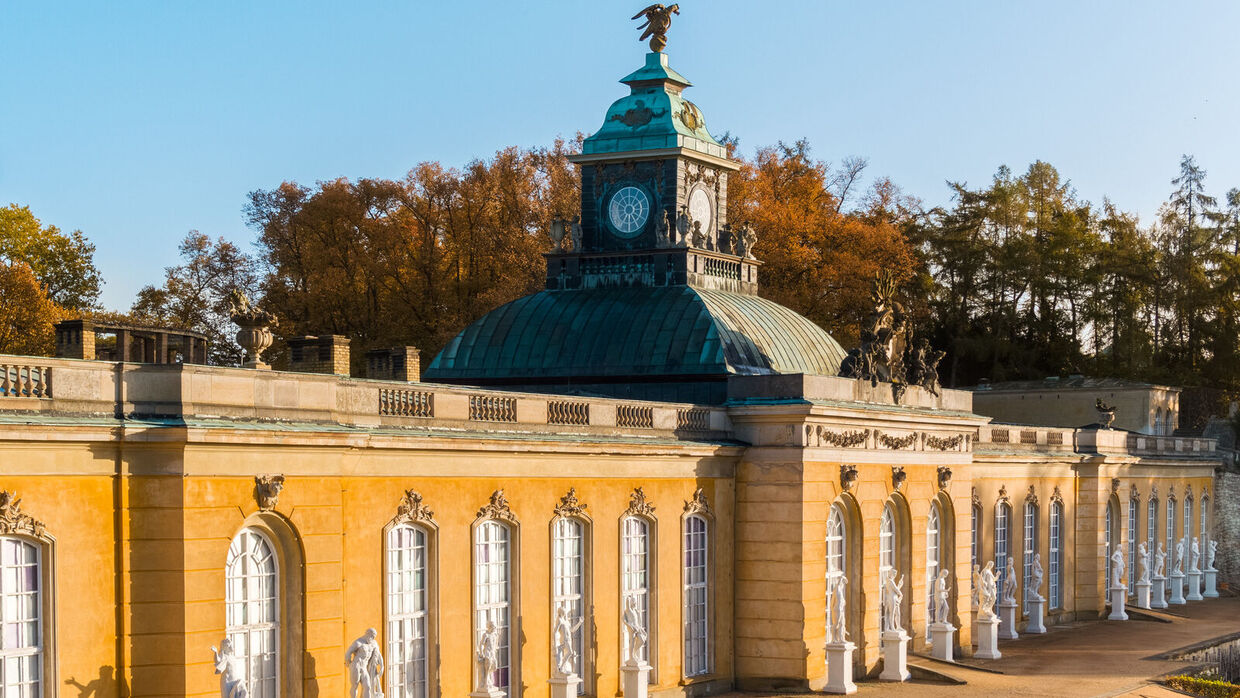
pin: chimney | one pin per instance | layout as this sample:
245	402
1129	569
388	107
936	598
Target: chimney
75	339
328	353
395	364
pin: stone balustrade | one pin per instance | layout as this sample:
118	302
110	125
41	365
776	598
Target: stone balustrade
1021	437
212	392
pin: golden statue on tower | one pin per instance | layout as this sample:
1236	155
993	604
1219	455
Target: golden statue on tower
658	19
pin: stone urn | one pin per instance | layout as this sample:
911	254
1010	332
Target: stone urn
255	333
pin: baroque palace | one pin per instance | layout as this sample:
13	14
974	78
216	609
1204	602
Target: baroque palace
645	479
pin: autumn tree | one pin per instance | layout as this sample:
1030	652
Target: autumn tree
27	314
63	263
817	258
195	293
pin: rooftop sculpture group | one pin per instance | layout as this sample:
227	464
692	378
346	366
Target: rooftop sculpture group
887	352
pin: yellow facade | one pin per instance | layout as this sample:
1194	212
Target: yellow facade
138	514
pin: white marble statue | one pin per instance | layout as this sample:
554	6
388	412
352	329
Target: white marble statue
1009	581
976	587
1143	557
565	652
1211	551
1196	558
989	591
637	635
1117	567
1036	576
1179	558
837	619
940	597
893	596
1160	563
365	664
232	676
488	657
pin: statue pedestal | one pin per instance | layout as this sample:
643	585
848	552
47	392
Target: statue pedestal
635	680
1158	593
943	635
488	693
564	686
1194	586
1036	608
1119	598
1211	584
1007	618
1177	588
839	669
895	656
987	638
1143	595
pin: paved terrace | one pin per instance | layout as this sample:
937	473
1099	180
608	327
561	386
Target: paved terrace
1090	658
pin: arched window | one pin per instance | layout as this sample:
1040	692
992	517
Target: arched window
1204	529
407	587
886	550
1151	527
976	535
21	616
1055	564
252	600
837	552
1158	427
697	595
637	577
568	583
1029	546
933	546
493	593
1003	540
1110	542
1132	546
1169	542
1187	529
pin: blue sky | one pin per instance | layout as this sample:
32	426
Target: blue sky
136	122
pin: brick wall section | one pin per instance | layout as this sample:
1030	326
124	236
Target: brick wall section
328	353
1227	526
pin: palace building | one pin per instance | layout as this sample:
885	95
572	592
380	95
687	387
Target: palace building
646	431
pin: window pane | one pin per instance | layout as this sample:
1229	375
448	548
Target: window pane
252	610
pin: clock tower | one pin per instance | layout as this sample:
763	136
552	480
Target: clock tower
654	187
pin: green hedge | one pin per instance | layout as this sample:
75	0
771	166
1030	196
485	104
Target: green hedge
1204	687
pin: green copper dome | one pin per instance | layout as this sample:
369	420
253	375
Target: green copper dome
654	116
677	334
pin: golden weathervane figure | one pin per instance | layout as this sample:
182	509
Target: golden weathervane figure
658	19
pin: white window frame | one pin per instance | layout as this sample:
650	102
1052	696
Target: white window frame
1170	541
1003	540
976	542
1187	530
887	555
696	606
1133	513
490	577
637	542
1204	529
569	562
1110	534
837	551
1029	546
1151	527
241	554
407	610
1055	564
16	607
934	530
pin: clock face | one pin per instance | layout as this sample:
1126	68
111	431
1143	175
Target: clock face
700	208
628	211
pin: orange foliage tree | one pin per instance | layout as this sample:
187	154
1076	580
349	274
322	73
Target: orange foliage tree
27	314
818	260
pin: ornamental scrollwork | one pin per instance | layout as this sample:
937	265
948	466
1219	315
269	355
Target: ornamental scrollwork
267	490
977	499
848	477
497	508
945	477
844	439
569	505
1114	485
638	505
411	509
898	477
940	443
14	520
1003	496
1056	496
897	442
1133	492
698	504
1032	496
